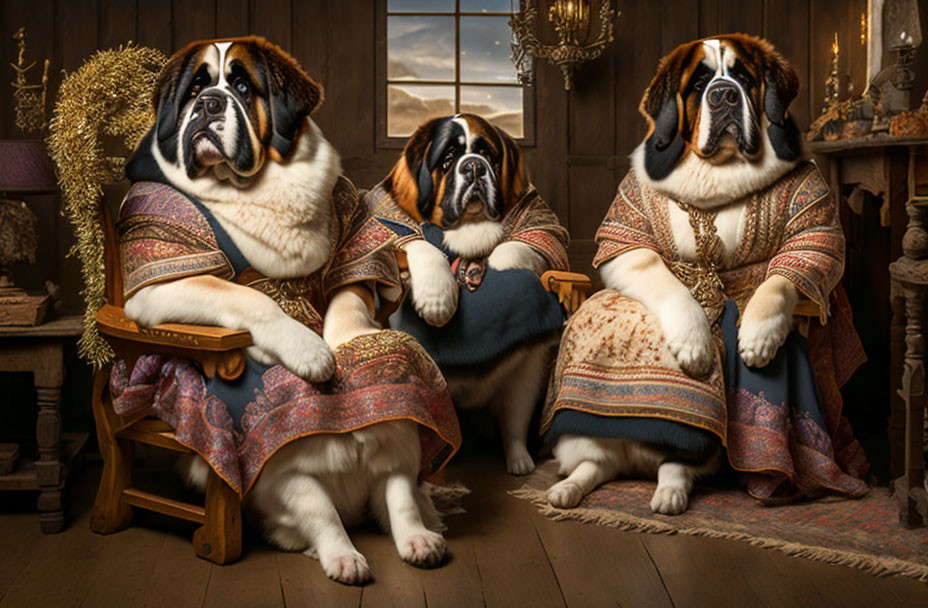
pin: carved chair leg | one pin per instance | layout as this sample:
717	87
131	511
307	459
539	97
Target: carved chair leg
109	513
219	540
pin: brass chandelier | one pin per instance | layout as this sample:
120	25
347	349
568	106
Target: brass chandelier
572	22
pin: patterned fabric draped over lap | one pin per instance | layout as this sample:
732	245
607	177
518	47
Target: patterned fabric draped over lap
384	376
790	441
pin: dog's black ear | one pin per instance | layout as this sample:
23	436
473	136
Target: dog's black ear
172	85
292	96
410	181
781	85
662	107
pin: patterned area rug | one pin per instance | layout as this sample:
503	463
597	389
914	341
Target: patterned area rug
862	533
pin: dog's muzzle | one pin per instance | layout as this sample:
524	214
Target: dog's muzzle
727	107
205	131
476	200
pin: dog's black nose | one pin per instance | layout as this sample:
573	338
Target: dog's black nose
214	104
722	94
472	169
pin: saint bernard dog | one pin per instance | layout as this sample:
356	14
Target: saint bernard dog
233	130
718	130
464	175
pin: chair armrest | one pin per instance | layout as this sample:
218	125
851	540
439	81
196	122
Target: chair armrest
806	308
218	350
571	288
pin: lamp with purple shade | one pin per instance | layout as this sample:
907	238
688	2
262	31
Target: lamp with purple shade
25	168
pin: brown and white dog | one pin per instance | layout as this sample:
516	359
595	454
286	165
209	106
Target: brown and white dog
718	131
464	175
234	131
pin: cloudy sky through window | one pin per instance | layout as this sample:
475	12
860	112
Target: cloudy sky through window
422	47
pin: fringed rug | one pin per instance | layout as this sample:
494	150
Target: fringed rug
862	533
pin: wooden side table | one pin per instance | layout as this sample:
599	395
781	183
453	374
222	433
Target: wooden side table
40	350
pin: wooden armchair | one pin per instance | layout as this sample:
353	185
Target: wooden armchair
88	116
219	352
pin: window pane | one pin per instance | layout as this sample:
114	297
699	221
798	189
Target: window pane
485	50
489	6
420	6
408	106
502	106
420	48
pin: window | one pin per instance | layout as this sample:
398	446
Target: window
449	56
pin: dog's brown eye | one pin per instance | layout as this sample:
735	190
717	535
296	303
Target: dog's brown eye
242	87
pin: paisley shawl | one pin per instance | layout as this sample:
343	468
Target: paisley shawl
236	427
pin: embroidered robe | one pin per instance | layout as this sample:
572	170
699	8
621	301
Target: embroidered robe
236	426
781	424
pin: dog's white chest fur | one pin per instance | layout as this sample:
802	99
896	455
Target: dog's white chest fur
729	225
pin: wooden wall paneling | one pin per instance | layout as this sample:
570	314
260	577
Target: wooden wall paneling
680	23
156	25
741	16
547	159
592	187
117	26
351	82
272	19
786	25
193	20
638	49
591	124
824	21
232	18
76	37
709	18
311	42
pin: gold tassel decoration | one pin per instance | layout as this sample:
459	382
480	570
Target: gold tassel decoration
109	96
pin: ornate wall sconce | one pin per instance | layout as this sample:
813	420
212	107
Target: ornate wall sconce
572	20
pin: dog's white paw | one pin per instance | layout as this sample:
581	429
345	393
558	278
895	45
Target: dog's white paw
760	339
349	569
688	336
425	549
518	461
435	300
433	289
565	494
669	499
296	347
513	254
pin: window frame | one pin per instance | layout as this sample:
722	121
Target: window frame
381	83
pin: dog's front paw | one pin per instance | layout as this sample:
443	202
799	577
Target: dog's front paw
433	289
669	500
759	340
425	549
296	347
688	336
349	569
767	321
519	461
514	255
565	494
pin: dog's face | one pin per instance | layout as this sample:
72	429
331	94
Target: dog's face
231	104
458	170
713	98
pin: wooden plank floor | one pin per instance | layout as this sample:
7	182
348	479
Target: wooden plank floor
502	553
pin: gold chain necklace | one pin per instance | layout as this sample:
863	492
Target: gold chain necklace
702	277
